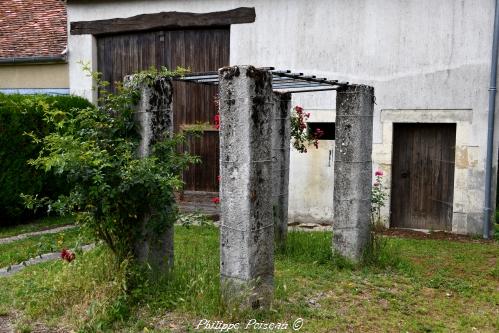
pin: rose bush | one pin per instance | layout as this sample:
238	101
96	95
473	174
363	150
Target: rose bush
300	136
378	197
111	189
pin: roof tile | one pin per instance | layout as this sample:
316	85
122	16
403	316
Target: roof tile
32	28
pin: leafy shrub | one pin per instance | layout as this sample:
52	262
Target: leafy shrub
112	190
20	114
378	198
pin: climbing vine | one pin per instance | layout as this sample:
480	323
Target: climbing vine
112	189
150	75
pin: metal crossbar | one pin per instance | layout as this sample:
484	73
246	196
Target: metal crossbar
282	81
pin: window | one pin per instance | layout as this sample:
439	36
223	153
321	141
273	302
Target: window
327	128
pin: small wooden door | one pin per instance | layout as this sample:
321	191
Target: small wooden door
200	50
423	176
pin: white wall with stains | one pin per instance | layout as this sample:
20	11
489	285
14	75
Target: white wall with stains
418	54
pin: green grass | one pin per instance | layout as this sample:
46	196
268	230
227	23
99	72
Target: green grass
413	285
38	225
18	251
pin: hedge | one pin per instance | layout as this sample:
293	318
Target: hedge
20	114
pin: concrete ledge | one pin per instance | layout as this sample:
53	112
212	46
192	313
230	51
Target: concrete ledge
426	115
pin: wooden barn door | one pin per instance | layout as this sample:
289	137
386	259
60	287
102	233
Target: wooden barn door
423	176
198	49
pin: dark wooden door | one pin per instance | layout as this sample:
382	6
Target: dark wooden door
198	49
423	176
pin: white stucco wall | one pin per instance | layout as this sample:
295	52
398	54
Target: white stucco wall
418	54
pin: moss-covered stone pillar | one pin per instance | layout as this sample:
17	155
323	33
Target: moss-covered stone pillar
352	170
247	228
281	137
154	118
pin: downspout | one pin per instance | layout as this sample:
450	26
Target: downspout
490	131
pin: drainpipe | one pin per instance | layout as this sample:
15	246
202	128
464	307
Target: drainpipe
490	131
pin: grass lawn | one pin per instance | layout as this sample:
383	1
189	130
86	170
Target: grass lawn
38	225
18	251
414	286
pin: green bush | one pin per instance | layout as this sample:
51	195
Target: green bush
20	114
113	190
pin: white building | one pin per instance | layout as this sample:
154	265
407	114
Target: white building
429	62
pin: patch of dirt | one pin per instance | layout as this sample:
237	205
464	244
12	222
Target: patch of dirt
40	328
173	322
440	235
6	324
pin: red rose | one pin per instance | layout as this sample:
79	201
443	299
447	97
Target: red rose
217	121
67	255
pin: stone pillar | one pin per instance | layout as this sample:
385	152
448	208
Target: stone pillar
154	117
154	114
247	228
281	137
353	170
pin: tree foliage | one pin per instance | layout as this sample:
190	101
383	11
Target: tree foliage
20	114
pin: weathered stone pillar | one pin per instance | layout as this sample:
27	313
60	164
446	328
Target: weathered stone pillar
247	228
281	137
352	170
154	113
154	117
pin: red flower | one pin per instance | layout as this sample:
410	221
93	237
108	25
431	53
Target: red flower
378	173
67	255
298	109
215	200
318	133
217	121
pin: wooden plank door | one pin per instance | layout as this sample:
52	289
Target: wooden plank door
198	49
423	176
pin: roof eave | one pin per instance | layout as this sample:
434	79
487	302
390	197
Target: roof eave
61	58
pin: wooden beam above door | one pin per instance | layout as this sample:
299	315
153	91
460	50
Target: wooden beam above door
164	20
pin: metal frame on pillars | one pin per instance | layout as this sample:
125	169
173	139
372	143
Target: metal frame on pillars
250	100
282	81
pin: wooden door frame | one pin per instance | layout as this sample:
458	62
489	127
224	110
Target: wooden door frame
164	21
402	156
150	50
382	154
